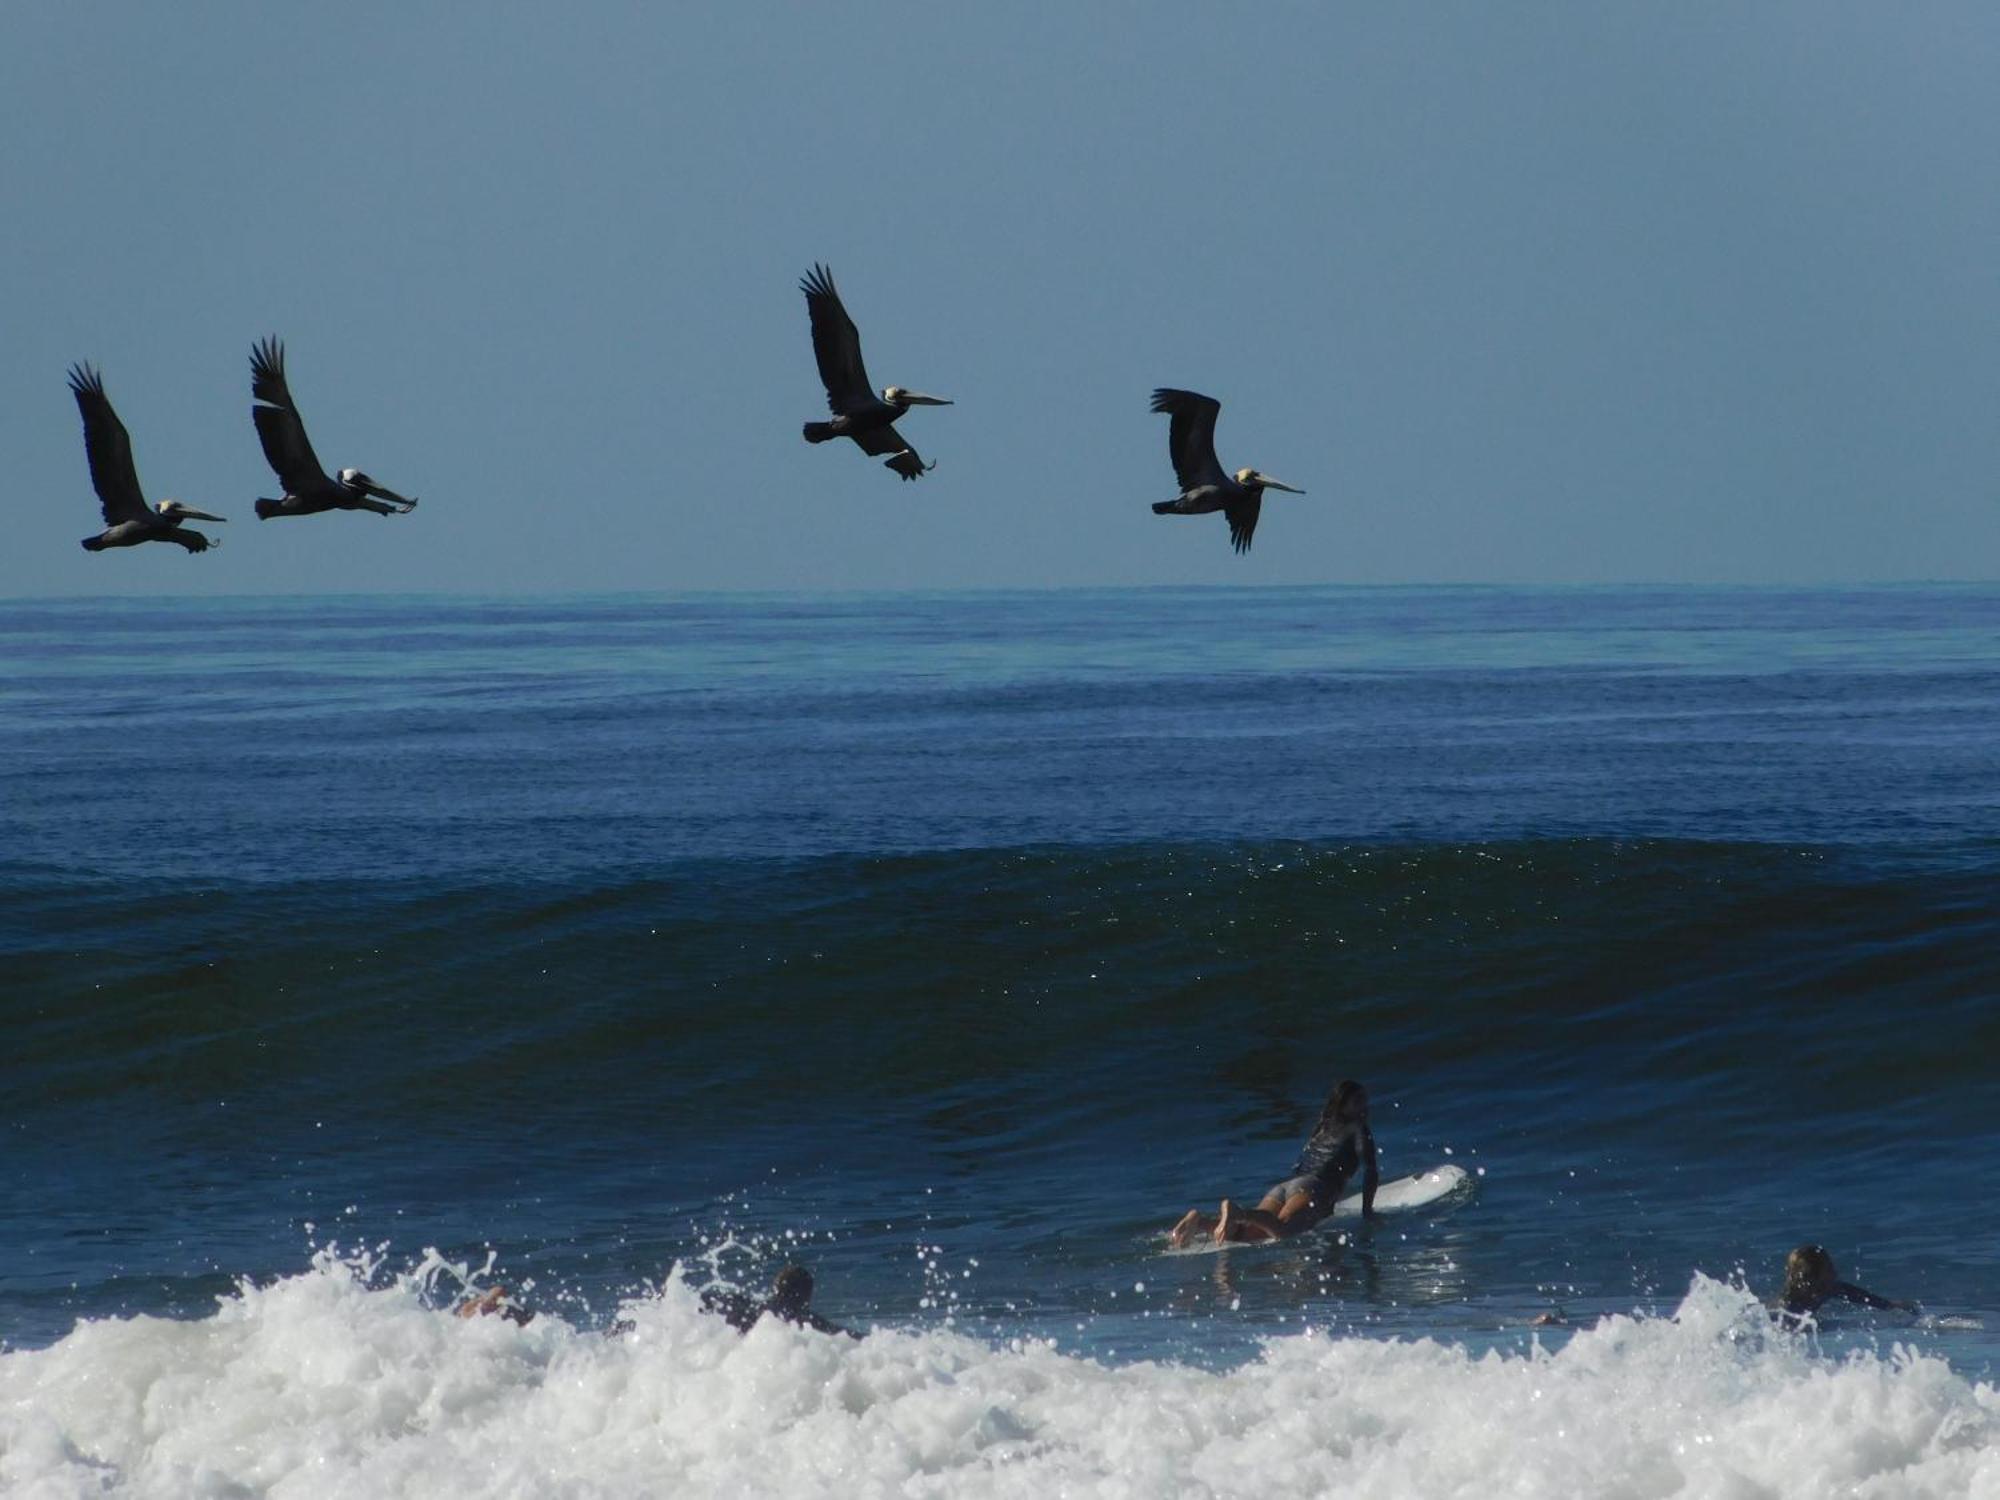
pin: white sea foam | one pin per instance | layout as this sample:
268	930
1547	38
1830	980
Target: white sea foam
318	1386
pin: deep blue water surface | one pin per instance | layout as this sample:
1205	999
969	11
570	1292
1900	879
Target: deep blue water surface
957	943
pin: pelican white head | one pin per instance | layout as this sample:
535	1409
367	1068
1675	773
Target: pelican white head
1252	479
173	510
897	395
354	479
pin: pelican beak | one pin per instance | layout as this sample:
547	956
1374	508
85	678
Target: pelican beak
1272	484
382	492
188	513
917	398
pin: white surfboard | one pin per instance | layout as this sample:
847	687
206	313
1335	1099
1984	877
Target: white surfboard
1397	1196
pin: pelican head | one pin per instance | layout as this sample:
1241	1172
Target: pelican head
173	510
895	395
1250	479
354	479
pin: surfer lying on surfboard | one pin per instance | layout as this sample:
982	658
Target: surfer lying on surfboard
1811	1282
1340	1143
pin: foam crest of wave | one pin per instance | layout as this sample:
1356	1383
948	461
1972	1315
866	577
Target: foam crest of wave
320	1386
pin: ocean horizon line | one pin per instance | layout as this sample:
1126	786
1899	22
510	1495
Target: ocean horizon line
990	591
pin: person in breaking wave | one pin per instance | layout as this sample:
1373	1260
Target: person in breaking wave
790	1300
1340	1143
1811	1282
495	1300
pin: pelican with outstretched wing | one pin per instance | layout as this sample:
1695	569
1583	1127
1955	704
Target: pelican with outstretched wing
309	489
858	412
128	519
1204	486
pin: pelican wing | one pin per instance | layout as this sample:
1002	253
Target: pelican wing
836	345
109	448
1191	437
279	426
879	441
886	442
1242	517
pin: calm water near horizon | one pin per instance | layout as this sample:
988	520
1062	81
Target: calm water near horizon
955	944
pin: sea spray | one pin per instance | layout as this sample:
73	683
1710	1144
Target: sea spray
323	1385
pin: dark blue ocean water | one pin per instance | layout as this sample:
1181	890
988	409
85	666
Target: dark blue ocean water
956	944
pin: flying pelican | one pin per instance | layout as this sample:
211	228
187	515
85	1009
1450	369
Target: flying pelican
858	412
1204	487
129	521
308	489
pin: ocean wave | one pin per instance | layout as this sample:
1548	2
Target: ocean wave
1670	1055
330	1383
1572	954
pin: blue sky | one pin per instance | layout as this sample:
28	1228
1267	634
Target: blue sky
1570	292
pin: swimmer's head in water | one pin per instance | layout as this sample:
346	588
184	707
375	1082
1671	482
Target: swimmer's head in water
792	1292
1809	1274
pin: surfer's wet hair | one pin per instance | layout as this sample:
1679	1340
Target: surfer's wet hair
1337	1102
1809	1272
792	1292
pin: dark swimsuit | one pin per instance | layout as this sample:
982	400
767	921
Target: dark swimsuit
1792	1309
1328	1161
741	1312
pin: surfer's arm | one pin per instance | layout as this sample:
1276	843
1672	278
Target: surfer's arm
1848	1292
820	1325
1371	1174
